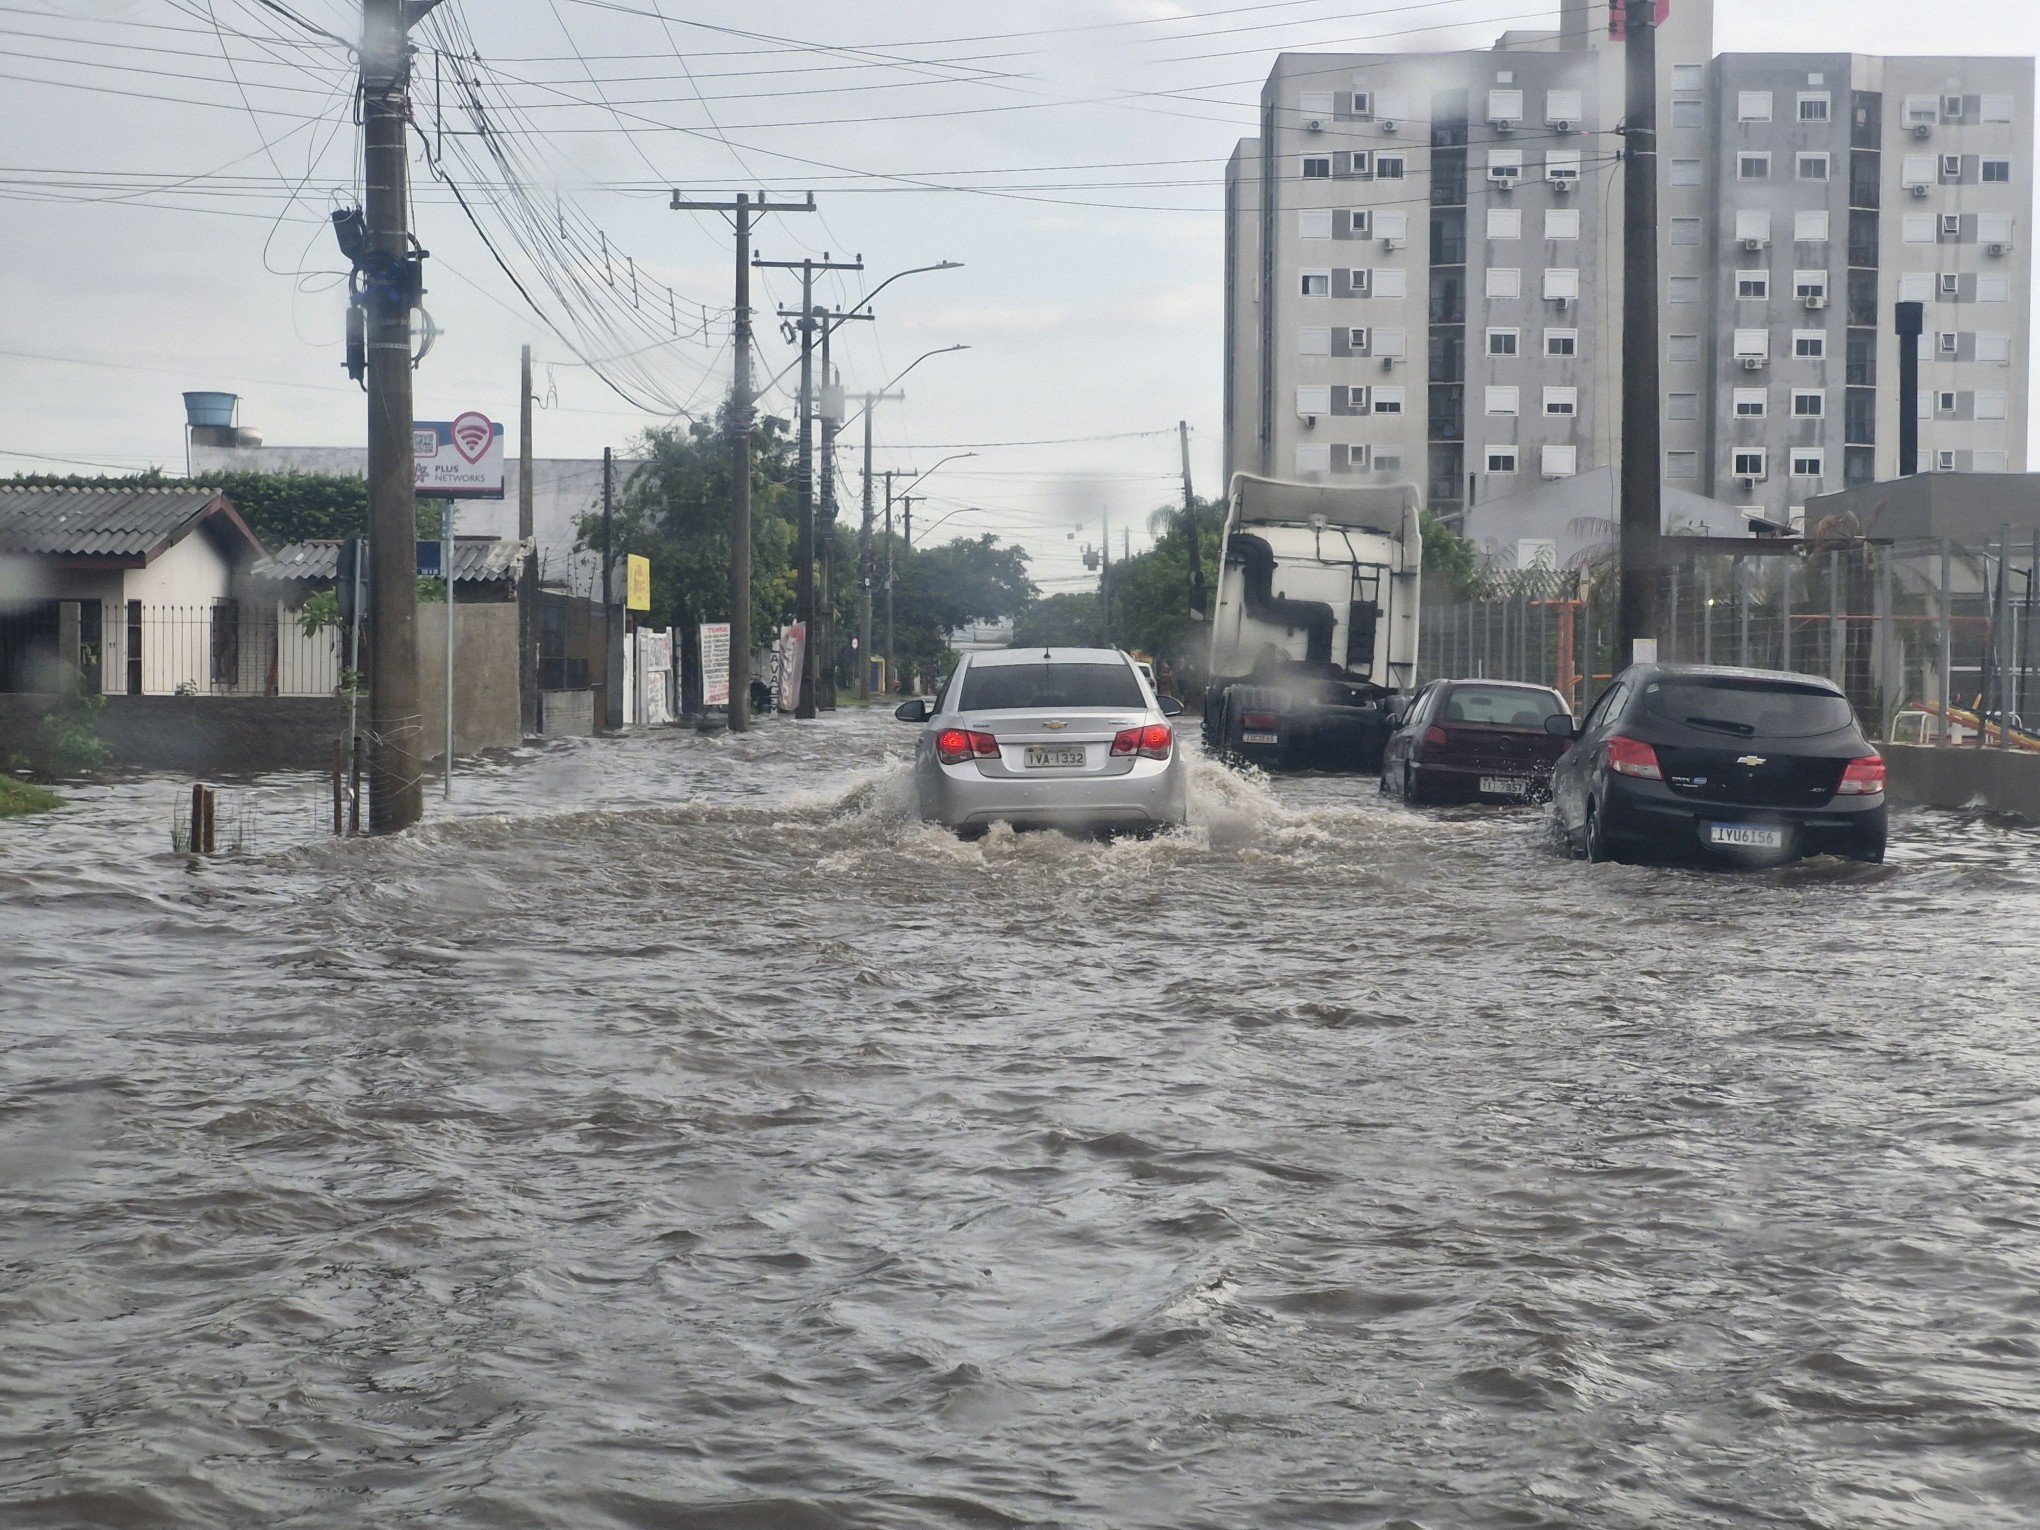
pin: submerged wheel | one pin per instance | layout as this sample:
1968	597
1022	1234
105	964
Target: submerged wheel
1598	848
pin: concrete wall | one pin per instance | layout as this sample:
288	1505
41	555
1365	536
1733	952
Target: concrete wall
567	714
2007	781
231	735
485	712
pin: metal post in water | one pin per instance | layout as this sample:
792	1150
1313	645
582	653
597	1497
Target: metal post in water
1671	624
1785	615
446	574
2002	632
1884	643
1838	659
1947	645
1742	601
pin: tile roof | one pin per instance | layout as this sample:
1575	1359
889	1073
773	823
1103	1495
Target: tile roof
119	523
476	559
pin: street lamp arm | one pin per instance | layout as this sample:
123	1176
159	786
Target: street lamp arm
952	457
903	371
865	302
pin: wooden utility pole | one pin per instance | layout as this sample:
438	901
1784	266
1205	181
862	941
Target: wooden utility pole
1642	514
392	287
1197	595
527	579
612	629
867	558
741	211
807	319
892	682
1105	574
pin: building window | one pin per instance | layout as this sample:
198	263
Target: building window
1808	404
1388	167
1316	283
1682	289
1951	226
1749	342
1922	111
1813	106
1317	167
1561	342
1682	464
1563	402
1752	227
1747	462
1313	399
1694	77
1682	348
1809	284
1993	289
1809	344
1753	284
1810	227
1948	342
1388	342
1951	167
1988	462
1811	167
1685	172
1505	223
1388	400
1689	114
1313	457
1390	282
1504	282
1559	461
1992	406
1682	406
1505	106
1994	228
1751	403
1313	342
1505	166
1916	287
1949	285
1356	341
1360	222
1563	106
1753	165
1314	223
1753	106
1502	342
1562	282
1393	225
1501	459
1685	231
1995	346
1916	170
1806	462
1945	401
1944	462
1562	166
1997	170
1315	103
1996	109
1918	228
1504	400
1562	223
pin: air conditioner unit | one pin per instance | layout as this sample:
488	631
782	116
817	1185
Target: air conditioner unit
1748	480
1502	182
1563	303
1922	130
1560	182
1817	301
1561	126
1755	242
1387	362
1390	242
1752	363
1314	125
1503	124
1993	249
1388	124
1919	190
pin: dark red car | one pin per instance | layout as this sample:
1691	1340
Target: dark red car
1474	741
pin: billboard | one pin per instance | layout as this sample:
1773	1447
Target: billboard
637	583
715	664
460	458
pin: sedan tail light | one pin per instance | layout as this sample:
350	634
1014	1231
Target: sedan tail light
1155	741
955	745
1863	778
1633	757
1437	737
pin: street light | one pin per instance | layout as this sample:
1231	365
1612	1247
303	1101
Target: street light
903	371
929	529
907	494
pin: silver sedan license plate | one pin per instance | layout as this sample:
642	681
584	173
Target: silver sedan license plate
1052	756
1747	836
1504	786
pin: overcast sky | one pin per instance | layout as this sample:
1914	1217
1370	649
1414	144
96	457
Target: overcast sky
173	162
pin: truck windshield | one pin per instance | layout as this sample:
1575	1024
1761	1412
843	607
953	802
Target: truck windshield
1008	687
1749	708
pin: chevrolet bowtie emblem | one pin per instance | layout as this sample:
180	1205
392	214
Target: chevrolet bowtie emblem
1751	759
1055	727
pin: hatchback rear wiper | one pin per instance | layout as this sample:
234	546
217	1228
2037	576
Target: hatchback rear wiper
1723	725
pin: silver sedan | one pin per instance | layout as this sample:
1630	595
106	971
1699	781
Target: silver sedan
1063	738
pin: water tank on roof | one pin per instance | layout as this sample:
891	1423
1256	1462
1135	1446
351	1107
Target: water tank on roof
216	409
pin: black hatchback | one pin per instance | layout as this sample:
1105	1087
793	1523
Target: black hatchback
1750	766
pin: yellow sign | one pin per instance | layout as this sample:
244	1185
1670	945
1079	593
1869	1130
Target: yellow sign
637	593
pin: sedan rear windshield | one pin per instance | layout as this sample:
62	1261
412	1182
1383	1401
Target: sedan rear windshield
1749	708
1006	687
1505	706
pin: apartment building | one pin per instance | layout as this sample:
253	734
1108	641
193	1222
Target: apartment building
1424	265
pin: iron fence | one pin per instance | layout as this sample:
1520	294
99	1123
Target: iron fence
226	648
1926	637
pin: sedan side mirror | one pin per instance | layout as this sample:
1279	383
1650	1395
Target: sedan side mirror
912	711
1558	725
1171	707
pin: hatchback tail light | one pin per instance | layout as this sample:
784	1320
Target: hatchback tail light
1633	757
1863	778
1155	741
955	745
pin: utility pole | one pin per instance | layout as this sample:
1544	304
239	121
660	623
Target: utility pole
1197	596
867	557
612	632
831	411
1642	515
393	286
527	579
806	318
742	209
1105	573
891	674
907	520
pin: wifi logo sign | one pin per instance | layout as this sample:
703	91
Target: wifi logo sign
473	433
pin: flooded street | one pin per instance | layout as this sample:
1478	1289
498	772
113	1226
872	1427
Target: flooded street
682	1136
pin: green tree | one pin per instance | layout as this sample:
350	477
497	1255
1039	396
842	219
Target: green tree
953	584
1450	564
1059	621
